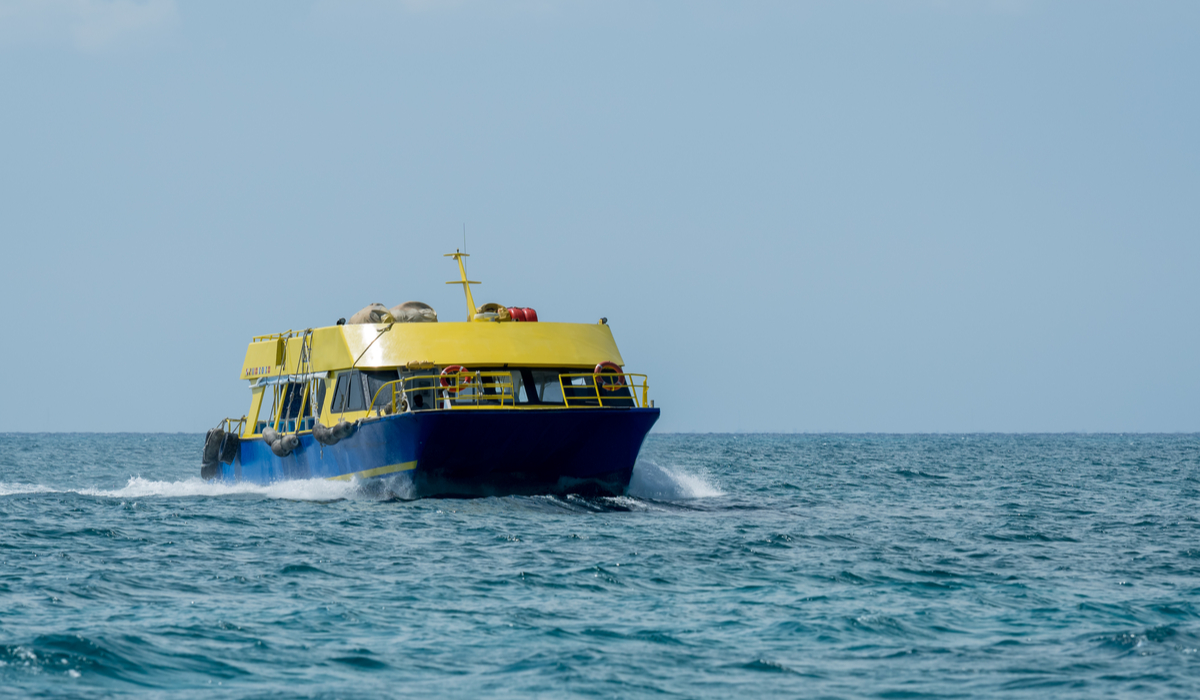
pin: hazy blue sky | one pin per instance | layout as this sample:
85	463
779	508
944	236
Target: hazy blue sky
902	215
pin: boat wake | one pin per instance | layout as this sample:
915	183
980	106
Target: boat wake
652	481
138	487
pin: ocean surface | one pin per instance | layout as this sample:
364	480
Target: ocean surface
835	566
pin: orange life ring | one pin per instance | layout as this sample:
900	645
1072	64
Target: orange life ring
460	381
614	383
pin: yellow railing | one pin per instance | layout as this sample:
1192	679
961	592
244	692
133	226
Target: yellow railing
466	389
613	390
227	424
274	336
491	389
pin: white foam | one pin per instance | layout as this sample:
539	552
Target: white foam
651	480
17	489
398	485
137	487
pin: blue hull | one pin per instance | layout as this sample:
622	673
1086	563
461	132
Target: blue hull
470	453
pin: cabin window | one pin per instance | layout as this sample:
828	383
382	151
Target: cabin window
518	380
320	402
339	393
375	382
283	401
266	410
546	384
348	393
530	386
580	390
290	402
355	401
351	391
421	393
295	409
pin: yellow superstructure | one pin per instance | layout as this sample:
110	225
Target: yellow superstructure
379	346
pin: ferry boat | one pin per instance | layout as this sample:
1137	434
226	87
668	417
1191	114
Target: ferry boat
502	403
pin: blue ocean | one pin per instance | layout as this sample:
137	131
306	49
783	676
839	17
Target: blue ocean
822	566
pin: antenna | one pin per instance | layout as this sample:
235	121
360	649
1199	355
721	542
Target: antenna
464	237
462	271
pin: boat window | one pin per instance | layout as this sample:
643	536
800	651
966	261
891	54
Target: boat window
528	387
354	395
320	402
518	382
580	390
348	393
353	389
546	382
375	381
422	393
339	393
291	399
266	411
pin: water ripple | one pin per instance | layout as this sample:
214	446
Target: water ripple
770	565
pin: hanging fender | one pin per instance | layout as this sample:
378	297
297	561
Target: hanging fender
281	445
334	435
210	459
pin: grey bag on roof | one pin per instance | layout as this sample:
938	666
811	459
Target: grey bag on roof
414	312
375	313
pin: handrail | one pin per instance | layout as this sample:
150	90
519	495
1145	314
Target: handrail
391	404
470	388
613	396
274	336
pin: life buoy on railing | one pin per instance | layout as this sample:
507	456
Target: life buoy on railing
455	378
604	376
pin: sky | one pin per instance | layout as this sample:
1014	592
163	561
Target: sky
809	216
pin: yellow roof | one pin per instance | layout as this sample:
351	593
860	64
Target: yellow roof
471	344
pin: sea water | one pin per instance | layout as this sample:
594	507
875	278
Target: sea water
738	565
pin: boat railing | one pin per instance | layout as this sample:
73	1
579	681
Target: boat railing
274	336
465	389
287	425
612	390
491	389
